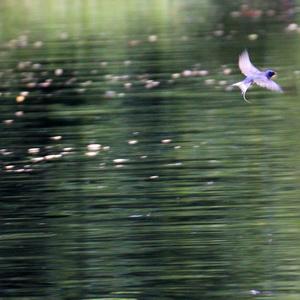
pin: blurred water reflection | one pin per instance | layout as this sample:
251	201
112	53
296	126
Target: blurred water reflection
129	167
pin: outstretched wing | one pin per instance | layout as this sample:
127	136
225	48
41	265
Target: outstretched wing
268	84
246	66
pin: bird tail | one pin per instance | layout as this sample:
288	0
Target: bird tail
244	87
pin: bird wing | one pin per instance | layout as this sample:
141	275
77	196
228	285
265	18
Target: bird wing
268	84
246	66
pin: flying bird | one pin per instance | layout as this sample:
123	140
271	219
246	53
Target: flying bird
254	75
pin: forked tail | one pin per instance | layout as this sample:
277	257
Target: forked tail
244	87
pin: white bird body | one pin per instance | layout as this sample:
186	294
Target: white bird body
254	75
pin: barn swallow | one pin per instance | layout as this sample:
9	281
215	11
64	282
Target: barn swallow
254	75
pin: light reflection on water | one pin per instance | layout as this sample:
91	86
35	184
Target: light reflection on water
131	170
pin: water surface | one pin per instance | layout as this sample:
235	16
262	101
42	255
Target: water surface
130	169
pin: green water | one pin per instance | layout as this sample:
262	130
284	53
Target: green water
193	193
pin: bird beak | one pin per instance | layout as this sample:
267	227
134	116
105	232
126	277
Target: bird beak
275	75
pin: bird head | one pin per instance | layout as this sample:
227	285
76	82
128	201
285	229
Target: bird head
270	73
